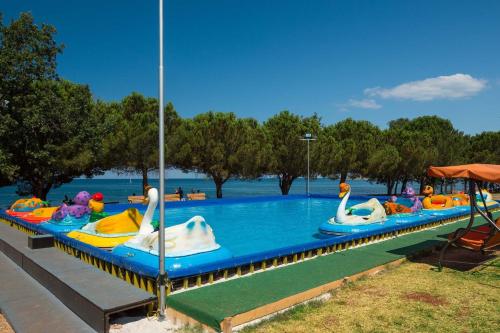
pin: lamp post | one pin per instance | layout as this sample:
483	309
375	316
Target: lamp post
308	137
161	238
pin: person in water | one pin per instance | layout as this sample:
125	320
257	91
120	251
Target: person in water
67	200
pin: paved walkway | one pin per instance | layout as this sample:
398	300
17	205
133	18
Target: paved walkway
29	307
90	293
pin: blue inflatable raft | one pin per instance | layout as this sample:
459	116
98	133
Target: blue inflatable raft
147	263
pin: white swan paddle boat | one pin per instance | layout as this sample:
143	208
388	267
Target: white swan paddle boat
191	237
345	220
188	245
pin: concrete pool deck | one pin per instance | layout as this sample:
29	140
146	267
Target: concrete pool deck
223	306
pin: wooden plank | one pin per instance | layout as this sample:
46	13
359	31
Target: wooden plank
226	326
179	318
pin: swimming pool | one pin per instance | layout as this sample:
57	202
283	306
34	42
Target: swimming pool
252	231
253	227
255	230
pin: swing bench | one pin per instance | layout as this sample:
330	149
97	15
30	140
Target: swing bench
483	238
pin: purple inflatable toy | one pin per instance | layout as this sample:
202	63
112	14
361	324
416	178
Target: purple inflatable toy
79	209
409	193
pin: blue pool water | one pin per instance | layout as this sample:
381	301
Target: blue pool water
250	227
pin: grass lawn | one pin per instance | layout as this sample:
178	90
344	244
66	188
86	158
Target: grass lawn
410	298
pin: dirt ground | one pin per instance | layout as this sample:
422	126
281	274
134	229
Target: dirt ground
4	325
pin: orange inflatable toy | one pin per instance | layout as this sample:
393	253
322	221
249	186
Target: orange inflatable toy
392	208
439	201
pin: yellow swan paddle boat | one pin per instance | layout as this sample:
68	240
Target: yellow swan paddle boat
116	229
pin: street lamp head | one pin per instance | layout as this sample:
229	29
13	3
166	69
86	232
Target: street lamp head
308	137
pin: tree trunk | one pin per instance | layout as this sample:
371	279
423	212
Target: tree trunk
41	190
422	185
218	181
403	184
390	185
144	180
396	187
285	182
218	189
343	177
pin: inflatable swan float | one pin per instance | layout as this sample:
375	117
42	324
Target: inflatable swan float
345	222
192	237
345	217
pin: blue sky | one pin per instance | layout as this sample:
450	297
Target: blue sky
373	60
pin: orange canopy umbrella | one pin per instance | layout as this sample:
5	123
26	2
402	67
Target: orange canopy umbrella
484	172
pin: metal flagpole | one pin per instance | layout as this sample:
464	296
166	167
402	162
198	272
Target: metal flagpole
161	239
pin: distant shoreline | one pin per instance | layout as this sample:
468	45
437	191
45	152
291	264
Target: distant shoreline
118	189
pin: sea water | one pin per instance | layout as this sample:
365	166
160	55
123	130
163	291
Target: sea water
117	190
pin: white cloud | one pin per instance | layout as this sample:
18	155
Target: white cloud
441	87
361	104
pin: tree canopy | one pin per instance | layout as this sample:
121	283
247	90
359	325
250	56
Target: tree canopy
48	132
56	138
357	140
221	146
288	154
484	148
27	53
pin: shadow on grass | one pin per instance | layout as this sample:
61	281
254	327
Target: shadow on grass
455	258
458	259
416	248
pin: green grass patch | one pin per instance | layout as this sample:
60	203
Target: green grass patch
412	297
